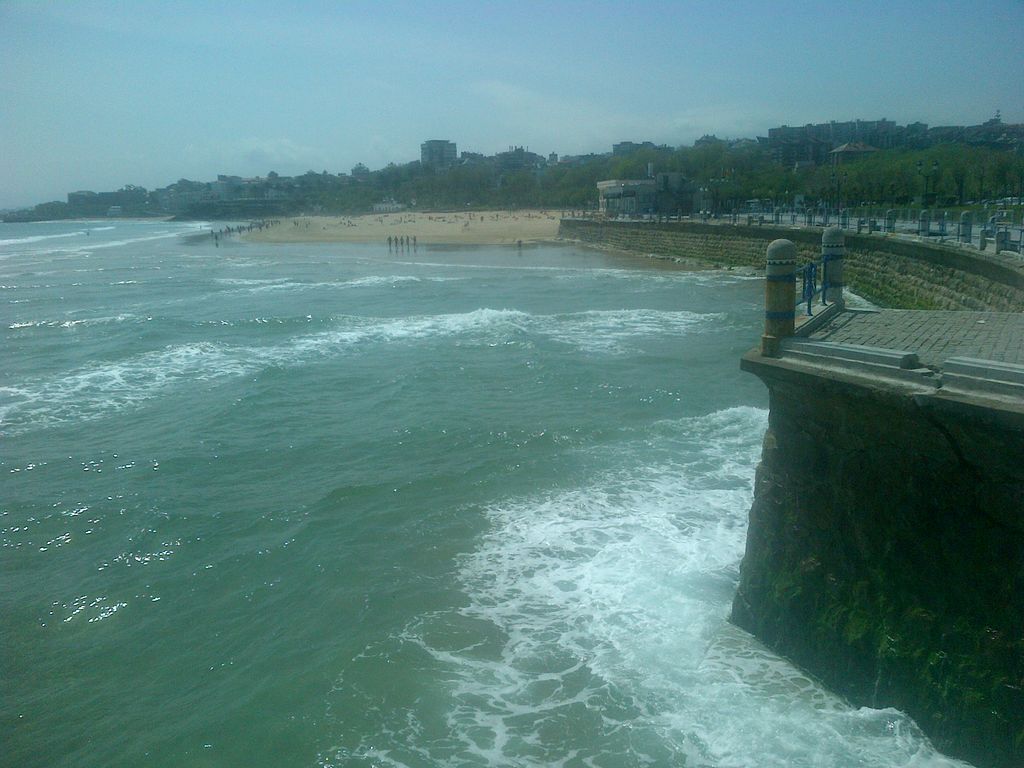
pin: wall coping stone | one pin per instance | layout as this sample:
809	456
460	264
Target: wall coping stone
896	358
985	369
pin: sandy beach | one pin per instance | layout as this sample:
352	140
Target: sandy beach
468	228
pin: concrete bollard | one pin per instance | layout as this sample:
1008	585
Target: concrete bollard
1002	240
966	225
833	249
779	295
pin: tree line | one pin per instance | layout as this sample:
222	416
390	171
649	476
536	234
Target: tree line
945	175
726	176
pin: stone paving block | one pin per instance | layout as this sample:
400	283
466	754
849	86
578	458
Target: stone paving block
935	335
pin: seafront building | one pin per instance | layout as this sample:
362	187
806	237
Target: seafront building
661	193
626	197
439	154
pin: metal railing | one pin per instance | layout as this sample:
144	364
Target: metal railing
810	289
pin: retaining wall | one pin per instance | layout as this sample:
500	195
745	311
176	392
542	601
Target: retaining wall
886	270
885	552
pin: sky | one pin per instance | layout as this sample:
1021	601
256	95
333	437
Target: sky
98	94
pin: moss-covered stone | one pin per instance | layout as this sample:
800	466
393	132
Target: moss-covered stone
876	560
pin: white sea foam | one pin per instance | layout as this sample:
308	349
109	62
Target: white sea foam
95	390
285	284
374	280
78	250
249	282
646	276
610	606
68	323
496	267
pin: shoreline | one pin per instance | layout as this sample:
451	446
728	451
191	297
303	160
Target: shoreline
459	228
453	228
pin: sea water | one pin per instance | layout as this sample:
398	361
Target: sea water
335	505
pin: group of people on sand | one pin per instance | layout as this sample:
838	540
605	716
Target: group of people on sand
401	242
258	225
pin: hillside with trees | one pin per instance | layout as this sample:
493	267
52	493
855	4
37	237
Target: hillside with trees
727	173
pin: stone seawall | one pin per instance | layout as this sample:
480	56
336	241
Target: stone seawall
886	270
885	552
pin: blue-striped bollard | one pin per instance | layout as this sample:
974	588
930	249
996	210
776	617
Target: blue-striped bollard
779	295
833	249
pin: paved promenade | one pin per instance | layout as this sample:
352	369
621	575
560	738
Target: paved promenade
934	335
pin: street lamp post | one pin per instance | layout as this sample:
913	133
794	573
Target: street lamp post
933	174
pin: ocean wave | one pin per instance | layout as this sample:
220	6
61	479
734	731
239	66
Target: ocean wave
375	280
130	241
244	282
66	323
608	331
254	286
600	613
97	389
39	238
586	613
496	267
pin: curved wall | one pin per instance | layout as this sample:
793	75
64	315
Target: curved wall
885	270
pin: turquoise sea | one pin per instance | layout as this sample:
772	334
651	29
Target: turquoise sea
326	505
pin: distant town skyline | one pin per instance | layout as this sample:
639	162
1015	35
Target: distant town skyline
98	95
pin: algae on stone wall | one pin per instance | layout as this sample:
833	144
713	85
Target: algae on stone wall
885	555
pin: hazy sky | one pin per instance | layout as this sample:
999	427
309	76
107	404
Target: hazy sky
96	95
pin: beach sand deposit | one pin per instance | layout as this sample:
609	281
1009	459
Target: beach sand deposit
461	228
